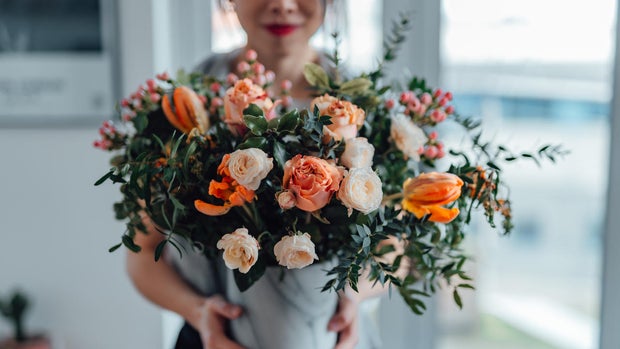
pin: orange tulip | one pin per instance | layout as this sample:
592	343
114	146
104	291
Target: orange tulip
232	193
188	111
427	193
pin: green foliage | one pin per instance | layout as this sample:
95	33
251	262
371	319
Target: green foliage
14	309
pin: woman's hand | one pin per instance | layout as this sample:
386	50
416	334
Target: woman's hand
211	321
345	322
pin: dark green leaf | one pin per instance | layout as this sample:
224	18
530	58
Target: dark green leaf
253	110
257	124
115	247
160	249
254	142
244	281
457	299
279	153
104	178
288	122
128	242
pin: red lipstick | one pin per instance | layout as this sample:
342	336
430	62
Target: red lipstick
281	29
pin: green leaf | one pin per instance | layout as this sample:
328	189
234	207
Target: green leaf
140	122
257	124
254	142
253	110
457	299
467	286
115	247
104	178
279	153
288	122
355	86
160	249
128	242
316	75
244	281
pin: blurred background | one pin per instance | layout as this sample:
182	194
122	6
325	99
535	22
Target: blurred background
534	71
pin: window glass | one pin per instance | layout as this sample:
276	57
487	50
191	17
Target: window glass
535	71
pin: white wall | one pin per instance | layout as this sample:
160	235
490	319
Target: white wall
56	227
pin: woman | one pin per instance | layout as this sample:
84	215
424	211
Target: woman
279	31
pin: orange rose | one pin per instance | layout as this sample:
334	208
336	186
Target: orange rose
346	117
313	181
426	193
238	98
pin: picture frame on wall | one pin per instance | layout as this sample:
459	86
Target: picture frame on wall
58	62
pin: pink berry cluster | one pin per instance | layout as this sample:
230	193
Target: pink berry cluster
433	149
216	99
285	93
111	137
427	109
145	98
251	69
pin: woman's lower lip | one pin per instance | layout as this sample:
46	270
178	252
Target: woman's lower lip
281	30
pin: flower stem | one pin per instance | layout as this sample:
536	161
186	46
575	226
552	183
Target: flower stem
391	197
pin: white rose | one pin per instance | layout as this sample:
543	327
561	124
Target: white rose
361	189
357	153
249	167
295	251
407	136
240	250
286	200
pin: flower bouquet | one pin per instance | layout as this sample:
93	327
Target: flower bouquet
249	179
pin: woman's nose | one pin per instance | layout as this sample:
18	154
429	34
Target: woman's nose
281	7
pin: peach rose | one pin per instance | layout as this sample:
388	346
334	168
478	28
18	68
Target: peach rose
407	136
249	167
346	117
240	250
312	180
357	153
238	98
295	251
361	189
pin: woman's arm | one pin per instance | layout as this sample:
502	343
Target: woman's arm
161	284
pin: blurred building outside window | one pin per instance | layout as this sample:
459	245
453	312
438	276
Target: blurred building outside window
535	70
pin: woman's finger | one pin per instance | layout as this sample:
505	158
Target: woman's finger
346	314
220	306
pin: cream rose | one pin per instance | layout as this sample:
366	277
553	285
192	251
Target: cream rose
346	117
249	167
407	136
357	153
240	250
361	189
295	251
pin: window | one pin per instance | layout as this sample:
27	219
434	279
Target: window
535	70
